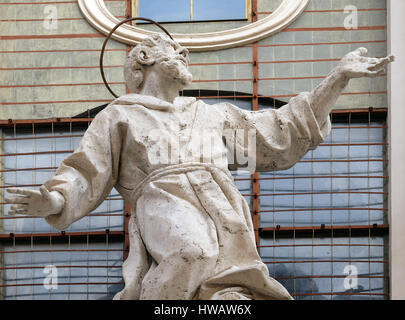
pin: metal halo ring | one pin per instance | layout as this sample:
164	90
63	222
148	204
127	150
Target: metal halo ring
108	38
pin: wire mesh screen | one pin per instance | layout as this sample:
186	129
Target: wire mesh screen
38	261
321	226
49	270
324	221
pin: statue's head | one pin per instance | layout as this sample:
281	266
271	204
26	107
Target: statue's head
166	56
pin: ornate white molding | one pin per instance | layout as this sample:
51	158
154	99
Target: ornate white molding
100	18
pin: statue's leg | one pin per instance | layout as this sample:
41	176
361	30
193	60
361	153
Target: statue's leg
179	235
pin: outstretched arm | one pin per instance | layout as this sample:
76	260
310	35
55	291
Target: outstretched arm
353	65
83	179
40	203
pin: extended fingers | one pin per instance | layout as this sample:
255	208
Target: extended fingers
26	192
373	74
377	64
17	200
18	209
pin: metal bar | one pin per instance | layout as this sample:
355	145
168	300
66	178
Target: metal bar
321	245
321	227
59	50
225	97
59	235
320	43
340	294
223	80
57	85
330	276
60	250
90	215
344	160
256	206
313	177
58	68
343	94
219	63
362	28
43	137
322	231
360	127
323	209
62	267
329	11
298	61
34	153
60	284
354	144
327	261
310	193
11	122
29	169
255	107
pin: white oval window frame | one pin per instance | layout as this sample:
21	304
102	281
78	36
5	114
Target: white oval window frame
101	19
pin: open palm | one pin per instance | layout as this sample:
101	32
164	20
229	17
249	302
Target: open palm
356	65
40	203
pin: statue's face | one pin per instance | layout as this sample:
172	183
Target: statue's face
172	60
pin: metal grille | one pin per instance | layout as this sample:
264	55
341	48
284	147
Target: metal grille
316	225
323	223
39	261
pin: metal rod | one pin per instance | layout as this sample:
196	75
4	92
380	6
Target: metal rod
108	38
255	107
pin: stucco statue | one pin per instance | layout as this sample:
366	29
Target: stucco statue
191	235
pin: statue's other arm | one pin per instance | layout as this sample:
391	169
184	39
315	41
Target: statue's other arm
283	136
82	181
353	65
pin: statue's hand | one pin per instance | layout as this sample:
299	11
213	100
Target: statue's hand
355	65
40	203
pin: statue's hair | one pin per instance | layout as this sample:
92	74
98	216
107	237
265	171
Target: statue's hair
145	53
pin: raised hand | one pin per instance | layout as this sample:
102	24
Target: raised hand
356	65
40	203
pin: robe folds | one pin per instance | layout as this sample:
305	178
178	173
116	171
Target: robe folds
190	230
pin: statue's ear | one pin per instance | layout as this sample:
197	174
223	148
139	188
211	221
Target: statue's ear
144	56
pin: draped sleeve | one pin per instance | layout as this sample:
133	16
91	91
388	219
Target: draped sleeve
87	176
281	137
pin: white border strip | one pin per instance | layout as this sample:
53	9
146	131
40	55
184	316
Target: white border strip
101	19
396	135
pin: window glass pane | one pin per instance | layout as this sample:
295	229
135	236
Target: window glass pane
318	268
31	160
218	10
164	10
306	195
75	271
